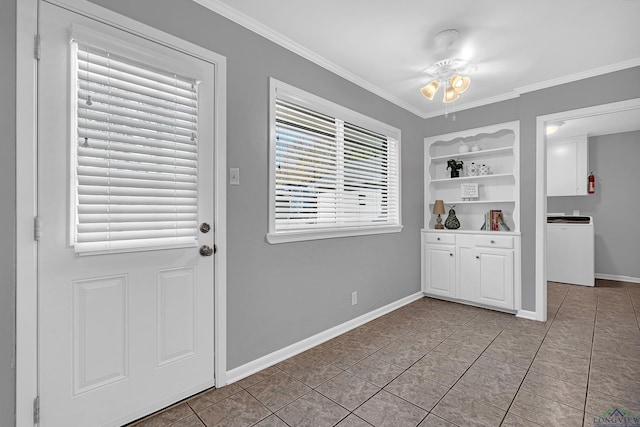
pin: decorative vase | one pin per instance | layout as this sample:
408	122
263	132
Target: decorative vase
475	147
473	169
463	148
452	222
483	170
455	173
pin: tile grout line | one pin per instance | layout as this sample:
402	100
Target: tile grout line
405	370
593	343
465	371
476	359
450	388
409	367
394	378
532	360
350	412
633	305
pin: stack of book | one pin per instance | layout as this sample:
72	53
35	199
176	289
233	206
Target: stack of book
494	221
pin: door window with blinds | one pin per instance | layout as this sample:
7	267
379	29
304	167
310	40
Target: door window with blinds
135	154
333	172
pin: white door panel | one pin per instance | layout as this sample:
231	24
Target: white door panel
496	278
468	271
440	266
121	334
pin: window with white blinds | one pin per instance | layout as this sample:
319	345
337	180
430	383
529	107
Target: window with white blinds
136	155
334	172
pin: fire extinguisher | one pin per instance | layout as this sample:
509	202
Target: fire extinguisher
592	184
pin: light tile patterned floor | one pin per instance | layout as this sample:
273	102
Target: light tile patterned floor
436	363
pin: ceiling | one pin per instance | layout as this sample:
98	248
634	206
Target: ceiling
384	46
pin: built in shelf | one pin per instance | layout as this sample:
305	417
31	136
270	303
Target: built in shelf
473	178
474	154
469	231
473	202
498	190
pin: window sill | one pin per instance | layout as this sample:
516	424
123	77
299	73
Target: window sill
301	236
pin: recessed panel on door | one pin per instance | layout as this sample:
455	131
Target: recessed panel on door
100	325
176	310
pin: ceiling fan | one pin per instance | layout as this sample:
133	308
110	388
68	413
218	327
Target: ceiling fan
449	72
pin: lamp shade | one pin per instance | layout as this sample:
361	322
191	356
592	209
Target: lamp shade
459	83
450	95
430	90
438	207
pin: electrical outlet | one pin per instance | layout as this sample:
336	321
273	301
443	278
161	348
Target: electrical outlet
354	297
234	176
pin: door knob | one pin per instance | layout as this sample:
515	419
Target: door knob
206	250
204	227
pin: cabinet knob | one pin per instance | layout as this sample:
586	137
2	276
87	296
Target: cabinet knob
477	256
438	238
450	254
493	241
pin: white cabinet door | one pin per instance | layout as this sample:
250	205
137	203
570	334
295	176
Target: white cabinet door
468	273
567	162
439	264
495	277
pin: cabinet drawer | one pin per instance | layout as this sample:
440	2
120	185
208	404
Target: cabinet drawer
447	239
505	242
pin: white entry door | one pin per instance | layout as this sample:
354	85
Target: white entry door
125	180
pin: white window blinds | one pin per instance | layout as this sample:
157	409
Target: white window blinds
136	155
330	173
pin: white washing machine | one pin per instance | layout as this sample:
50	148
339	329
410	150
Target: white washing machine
570	250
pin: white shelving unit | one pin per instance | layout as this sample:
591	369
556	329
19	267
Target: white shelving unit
499	149
470	265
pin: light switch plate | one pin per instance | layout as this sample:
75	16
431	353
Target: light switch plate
234	176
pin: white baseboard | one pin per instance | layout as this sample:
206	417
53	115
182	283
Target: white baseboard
279	355
526	314
618	278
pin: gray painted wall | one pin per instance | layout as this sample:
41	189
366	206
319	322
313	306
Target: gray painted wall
7	210
281	294
615	204
604	89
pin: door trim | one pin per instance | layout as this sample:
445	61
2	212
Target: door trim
26	189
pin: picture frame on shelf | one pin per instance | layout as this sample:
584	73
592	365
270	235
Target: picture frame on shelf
469	191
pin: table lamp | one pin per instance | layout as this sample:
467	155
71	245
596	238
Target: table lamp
438	208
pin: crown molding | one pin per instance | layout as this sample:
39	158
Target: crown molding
249	23
469	105
594	72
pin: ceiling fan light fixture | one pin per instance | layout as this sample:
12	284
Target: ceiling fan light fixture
430	90
447	72
450	95
459	83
